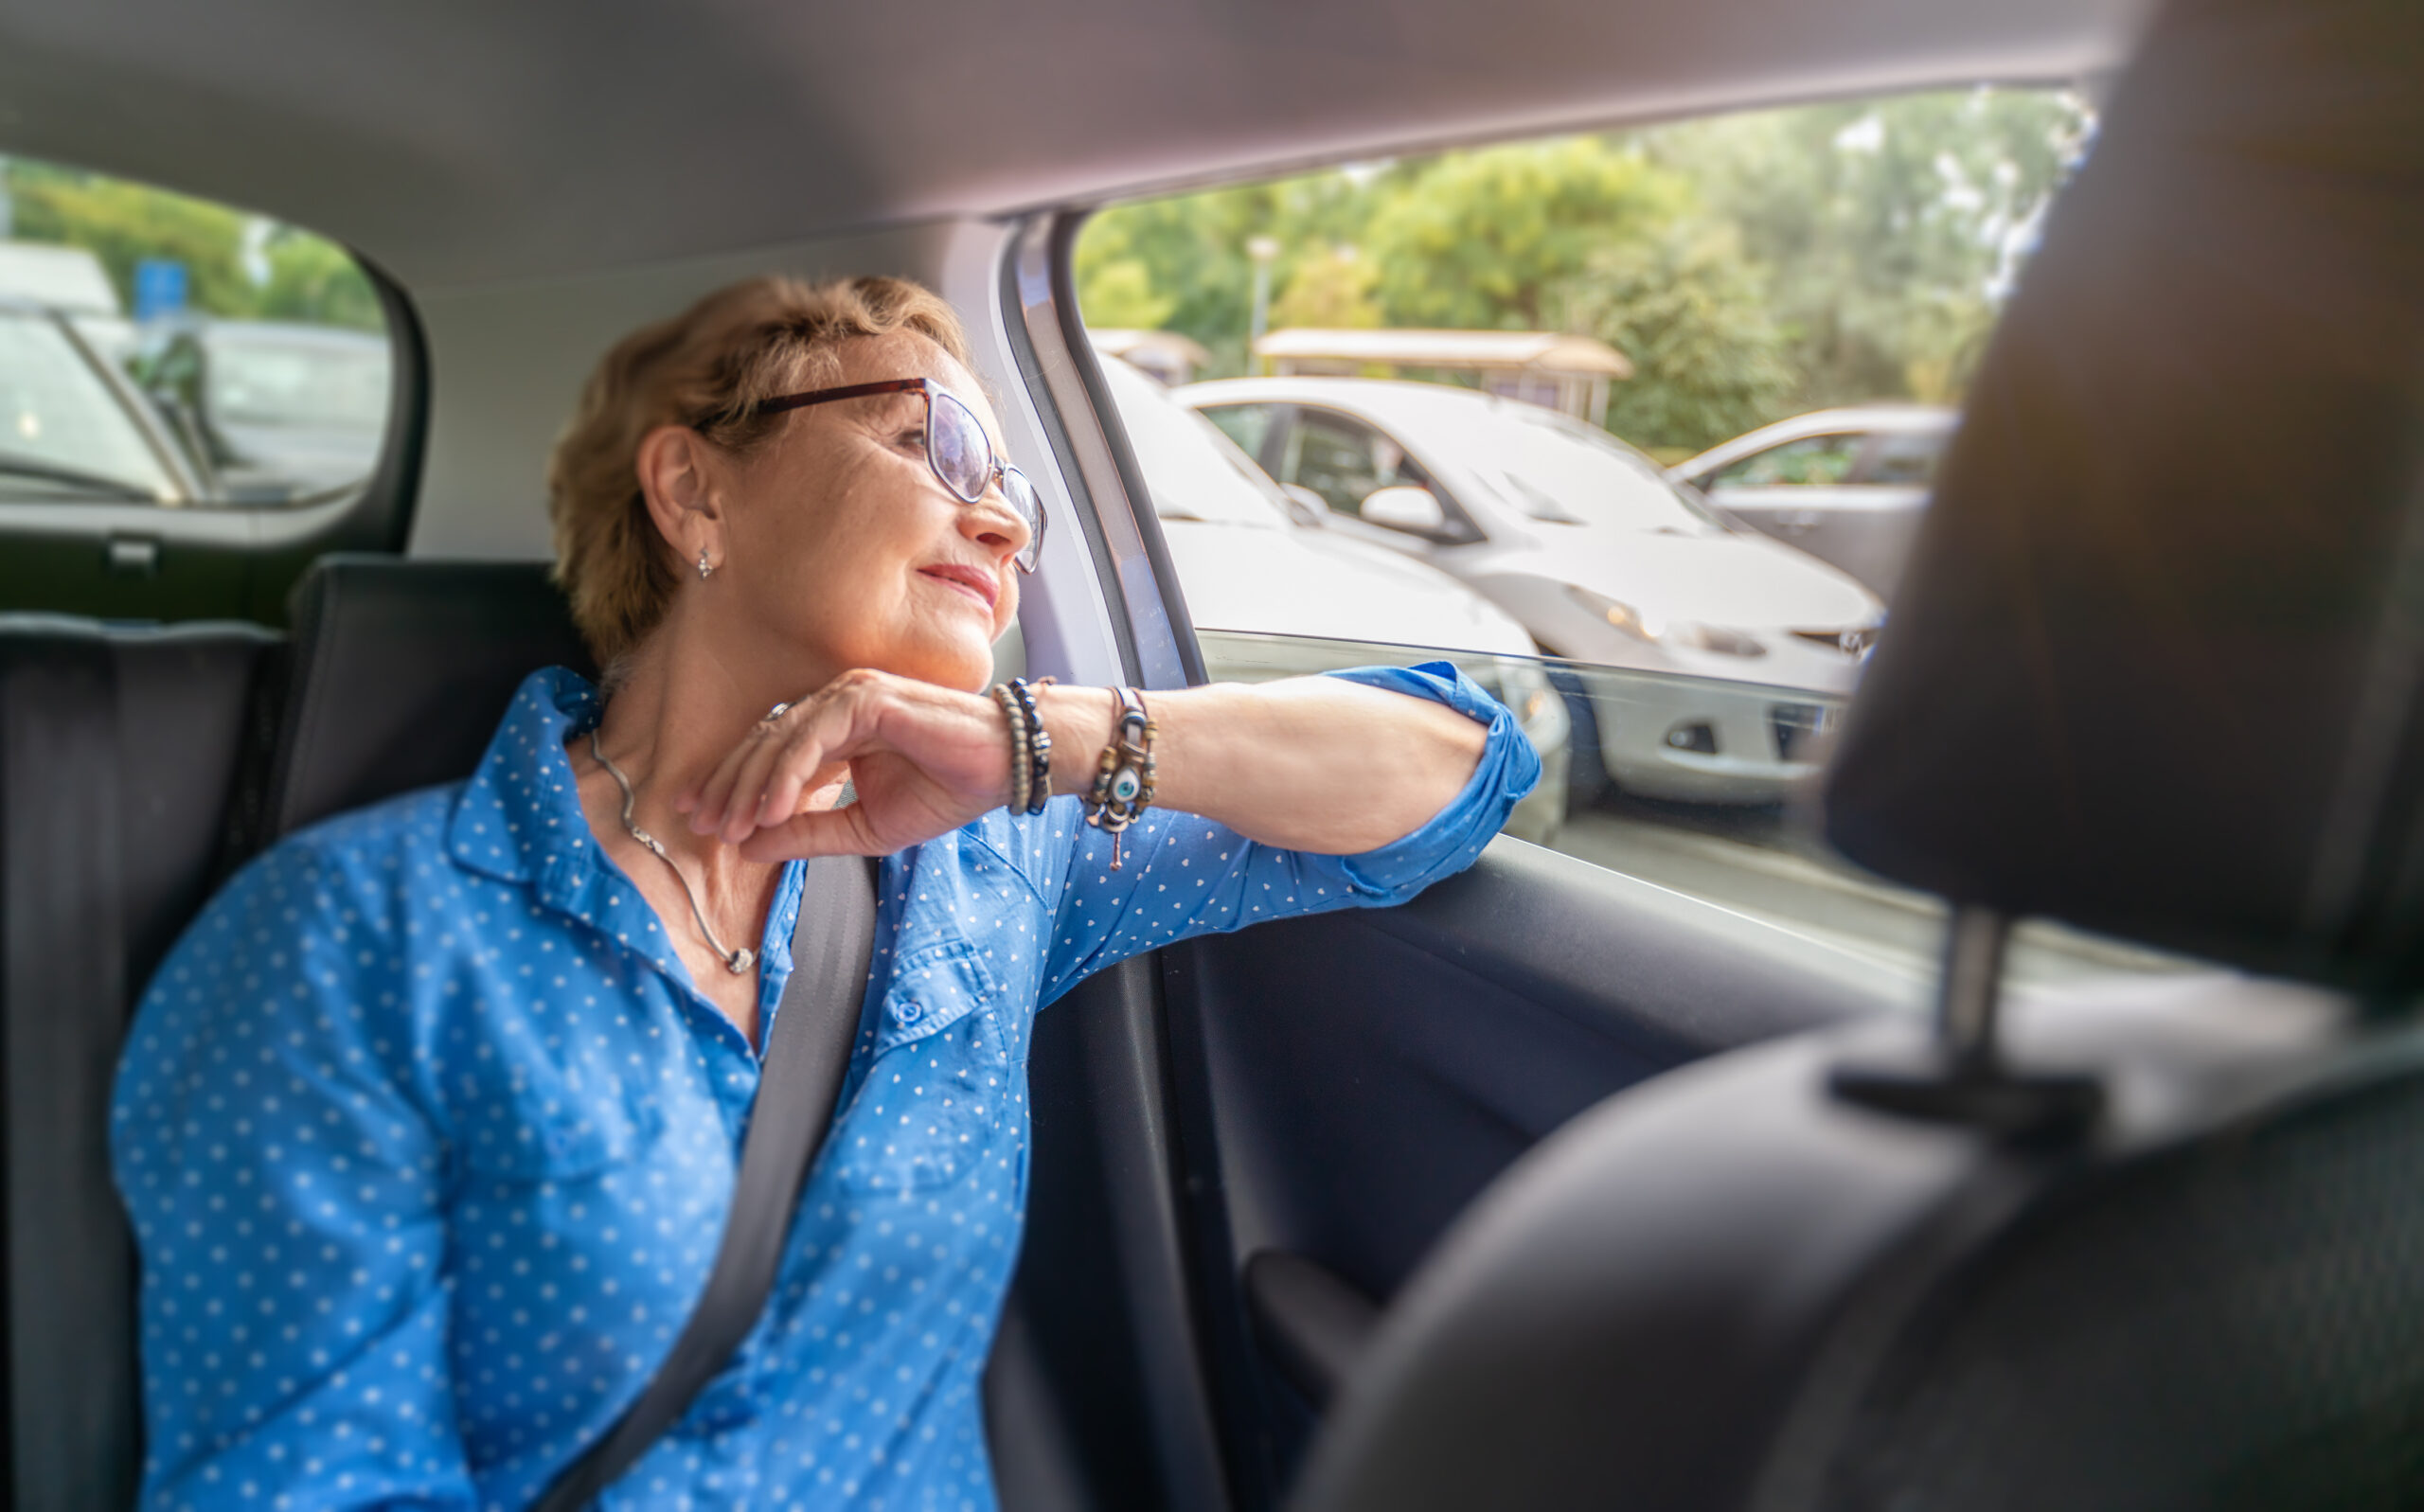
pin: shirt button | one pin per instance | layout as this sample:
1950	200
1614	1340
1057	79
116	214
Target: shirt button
911	1011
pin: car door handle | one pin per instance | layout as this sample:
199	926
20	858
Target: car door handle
1314	1326
134	556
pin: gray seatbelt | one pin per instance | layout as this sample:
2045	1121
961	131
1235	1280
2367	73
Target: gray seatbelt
807	1054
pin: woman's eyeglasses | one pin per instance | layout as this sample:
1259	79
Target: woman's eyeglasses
956	449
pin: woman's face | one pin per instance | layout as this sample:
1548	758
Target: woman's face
844	549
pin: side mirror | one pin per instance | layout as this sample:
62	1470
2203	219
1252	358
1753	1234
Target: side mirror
1405	508
1305	507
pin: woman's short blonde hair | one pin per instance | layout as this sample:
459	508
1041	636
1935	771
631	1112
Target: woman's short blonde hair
707	367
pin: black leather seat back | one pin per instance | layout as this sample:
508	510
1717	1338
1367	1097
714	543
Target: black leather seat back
399	673
119	752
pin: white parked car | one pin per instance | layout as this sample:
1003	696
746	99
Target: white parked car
1275	593
1847	486
1600	556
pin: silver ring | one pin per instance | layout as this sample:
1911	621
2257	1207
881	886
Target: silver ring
775	713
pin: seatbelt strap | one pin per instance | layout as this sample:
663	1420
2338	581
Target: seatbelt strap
807	1055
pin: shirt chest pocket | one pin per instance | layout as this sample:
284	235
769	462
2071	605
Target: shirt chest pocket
939	1079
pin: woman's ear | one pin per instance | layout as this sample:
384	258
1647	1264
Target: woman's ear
676	478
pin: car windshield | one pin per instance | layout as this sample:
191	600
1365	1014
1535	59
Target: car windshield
1558	469
64	431
260	380
1193	472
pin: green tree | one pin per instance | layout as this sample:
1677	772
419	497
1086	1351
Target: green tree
313	280
1888	229
1333	292
1692	314
1484	239
124	224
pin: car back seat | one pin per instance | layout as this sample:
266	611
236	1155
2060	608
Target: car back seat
138	766
119	750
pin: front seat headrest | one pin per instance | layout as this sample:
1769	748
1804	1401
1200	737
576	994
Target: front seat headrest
400	672
2155	667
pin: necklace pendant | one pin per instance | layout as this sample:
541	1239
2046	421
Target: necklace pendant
740	961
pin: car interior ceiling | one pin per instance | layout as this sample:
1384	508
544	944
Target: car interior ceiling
1470	1273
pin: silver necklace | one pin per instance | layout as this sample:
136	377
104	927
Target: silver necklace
736	962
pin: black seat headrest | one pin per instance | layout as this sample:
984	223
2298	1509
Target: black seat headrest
2155	667
399	673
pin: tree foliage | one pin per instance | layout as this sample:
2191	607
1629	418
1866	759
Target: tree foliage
237	266
1751	266
1480	240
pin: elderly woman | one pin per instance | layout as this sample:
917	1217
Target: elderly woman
429	1124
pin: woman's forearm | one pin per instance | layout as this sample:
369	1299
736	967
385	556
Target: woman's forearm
1315	764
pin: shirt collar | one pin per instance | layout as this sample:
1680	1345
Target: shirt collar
519	819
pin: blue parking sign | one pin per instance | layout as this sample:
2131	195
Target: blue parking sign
159	288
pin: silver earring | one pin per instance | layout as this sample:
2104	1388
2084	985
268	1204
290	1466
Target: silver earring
705	571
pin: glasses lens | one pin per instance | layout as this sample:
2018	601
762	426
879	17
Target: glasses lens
963	459
1029	505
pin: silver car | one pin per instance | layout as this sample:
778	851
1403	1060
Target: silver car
1846	486
1275	593
1713	658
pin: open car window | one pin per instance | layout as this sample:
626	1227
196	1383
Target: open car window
1474	368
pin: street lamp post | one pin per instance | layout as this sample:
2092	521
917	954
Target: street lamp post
1262	250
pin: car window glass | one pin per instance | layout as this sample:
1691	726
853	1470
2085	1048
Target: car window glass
301	378
1345	461
1812	459
255	354
1249	425
65	428
1551	325
1904	459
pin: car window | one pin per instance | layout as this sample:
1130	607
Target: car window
1904	459
254	352
1811	460
1345	460
68	431
1680	669
1249	425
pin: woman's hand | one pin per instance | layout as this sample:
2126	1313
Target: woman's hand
925	760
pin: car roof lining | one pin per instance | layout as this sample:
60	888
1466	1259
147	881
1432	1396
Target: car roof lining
466	147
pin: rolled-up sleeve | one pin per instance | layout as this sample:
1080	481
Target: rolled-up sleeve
284	1185
1186	875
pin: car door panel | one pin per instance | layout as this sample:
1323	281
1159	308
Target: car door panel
1344	1086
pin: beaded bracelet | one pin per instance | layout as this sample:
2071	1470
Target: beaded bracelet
1038	746
1123	787
1020	770
1030	744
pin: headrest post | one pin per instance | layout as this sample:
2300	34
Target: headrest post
1974	973
1962	1078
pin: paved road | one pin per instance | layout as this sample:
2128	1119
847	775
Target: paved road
1765	863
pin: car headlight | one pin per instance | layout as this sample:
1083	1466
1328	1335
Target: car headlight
1523	686
1659	631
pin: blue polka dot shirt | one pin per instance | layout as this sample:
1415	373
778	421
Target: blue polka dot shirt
428	1139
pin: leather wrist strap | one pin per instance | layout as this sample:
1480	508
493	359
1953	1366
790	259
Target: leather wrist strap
807	1053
